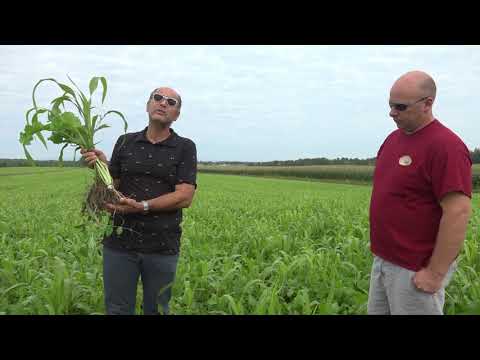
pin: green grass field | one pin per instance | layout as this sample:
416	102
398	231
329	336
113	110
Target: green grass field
251	245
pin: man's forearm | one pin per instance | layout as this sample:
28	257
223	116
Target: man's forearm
450	238
171	201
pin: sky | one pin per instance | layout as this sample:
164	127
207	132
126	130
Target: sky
245	103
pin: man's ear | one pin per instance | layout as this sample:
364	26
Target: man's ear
178	115
429	103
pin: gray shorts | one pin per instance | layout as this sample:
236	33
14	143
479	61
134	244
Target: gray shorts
392	291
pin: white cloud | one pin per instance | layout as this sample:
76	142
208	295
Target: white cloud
281	101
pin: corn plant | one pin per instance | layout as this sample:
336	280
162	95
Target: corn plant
303	249
77	130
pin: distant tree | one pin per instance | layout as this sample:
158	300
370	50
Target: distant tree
475	155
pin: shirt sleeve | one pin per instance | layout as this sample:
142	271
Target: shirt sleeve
452	170
387	139
114	164
187	168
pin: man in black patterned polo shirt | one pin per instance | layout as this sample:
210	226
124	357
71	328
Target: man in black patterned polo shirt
155	169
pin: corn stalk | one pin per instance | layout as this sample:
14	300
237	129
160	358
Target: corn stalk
73	129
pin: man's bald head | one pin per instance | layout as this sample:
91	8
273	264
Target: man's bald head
416	84
411	101
167	91
161	112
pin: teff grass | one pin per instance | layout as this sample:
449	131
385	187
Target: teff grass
79	131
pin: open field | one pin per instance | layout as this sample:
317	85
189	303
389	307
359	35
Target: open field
251	245
355	174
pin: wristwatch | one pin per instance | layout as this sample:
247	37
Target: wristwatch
145	206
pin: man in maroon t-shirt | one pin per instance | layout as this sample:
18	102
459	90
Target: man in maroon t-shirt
420	204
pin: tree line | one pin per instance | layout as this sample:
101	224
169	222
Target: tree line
24	162
299	162
475	155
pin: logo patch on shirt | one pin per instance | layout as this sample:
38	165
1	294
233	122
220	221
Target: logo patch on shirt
405	160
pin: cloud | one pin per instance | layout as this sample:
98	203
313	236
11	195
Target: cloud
247	102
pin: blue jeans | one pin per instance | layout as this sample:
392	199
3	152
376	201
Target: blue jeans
121	271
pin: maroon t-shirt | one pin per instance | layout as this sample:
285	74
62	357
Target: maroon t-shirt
412	175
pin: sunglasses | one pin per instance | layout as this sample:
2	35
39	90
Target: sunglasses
160	97
403	107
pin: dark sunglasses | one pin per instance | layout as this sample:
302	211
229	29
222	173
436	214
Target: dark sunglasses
160	97
403	107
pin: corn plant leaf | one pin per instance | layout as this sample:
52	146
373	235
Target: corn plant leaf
86	105
28	113
35	128
42	139
67	89
65	127
26	136
60	158
74	102
82	95
93	85
86	111
233	304
86	142
69	120
35	116
59	137
119	114
38	112
102	127
75	152
60	101
35	88
73	82
28	156
94	121
60	98
104	84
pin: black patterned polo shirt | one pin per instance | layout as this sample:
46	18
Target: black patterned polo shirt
146	171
